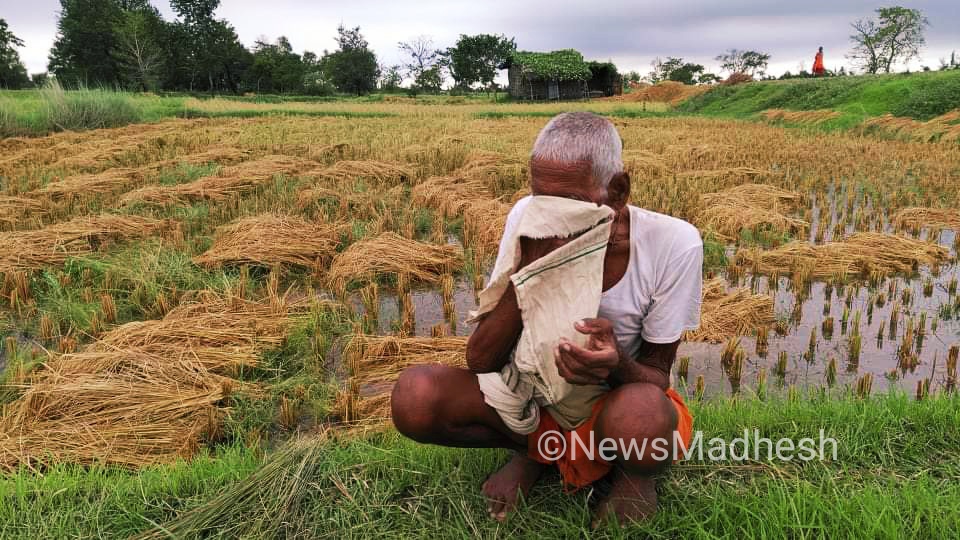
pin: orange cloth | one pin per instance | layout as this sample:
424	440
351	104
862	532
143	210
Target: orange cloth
818	64
582	471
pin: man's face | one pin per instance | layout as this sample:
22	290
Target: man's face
571	181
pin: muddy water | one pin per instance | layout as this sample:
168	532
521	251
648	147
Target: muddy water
877	356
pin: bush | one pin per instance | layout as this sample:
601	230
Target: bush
86	109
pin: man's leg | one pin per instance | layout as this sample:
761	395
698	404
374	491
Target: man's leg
443	405
637	411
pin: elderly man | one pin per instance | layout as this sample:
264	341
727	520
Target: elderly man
651	295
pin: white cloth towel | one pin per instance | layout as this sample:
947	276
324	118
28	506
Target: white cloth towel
553	292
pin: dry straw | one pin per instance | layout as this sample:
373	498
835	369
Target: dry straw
390	253
749	206
927	217
725	315
147	392
379	171
271	239
860	254
799	117
231	181
54	244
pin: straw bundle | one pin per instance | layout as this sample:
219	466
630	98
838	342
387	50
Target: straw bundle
14	210
377	359
147	410
748	206
862	253
147	392
109	181
926	217
449	195
483	224
725	315
52	245
944	128
380	171
375	363
231	181
270	239
799	117
390	253
267	504
205	327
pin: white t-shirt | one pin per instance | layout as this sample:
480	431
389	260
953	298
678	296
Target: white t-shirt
658	298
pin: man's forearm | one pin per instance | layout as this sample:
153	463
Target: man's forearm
491	343
652	365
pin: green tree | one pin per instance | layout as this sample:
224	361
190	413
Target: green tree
895	35
390	78
429	81
86	38
139	48
675	69
276	68
752	63
207	51
476	59
13	74
353	67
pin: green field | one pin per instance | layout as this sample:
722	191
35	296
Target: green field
895	476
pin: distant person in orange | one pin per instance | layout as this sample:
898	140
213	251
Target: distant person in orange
818	63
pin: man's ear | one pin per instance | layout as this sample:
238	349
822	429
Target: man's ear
618	191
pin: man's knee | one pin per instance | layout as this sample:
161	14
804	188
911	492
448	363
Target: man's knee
416	402
639	411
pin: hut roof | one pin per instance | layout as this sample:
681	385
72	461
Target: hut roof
565	64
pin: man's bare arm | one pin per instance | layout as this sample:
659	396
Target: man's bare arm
490	344
651	365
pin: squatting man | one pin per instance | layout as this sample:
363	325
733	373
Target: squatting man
651	288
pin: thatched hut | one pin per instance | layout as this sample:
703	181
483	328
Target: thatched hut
560	74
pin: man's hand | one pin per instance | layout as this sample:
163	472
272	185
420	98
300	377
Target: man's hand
594	363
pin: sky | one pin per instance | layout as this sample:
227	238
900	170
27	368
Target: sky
629	33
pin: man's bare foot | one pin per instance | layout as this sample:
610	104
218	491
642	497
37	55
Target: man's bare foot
504	487
632	497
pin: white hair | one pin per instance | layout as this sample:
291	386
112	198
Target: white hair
582	136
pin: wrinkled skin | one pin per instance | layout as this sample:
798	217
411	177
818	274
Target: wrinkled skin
443	405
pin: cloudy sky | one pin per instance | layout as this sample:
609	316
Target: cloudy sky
630	33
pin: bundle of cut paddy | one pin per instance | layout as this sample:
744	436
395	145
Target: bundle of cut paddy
390	253
147	409
449	195
109	181
799	117
378	359
147	392
945	128
380	171
862	253
375	363
926	217
483	224
270	503
209	329
121	179
748	206
53	244
271	239
13	210
368	204
724	315
230	181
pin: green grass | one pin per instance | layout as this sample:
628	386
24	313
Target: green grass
32	112
894	476
916	95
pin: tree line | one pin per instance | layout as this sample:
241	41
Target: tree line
128	44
